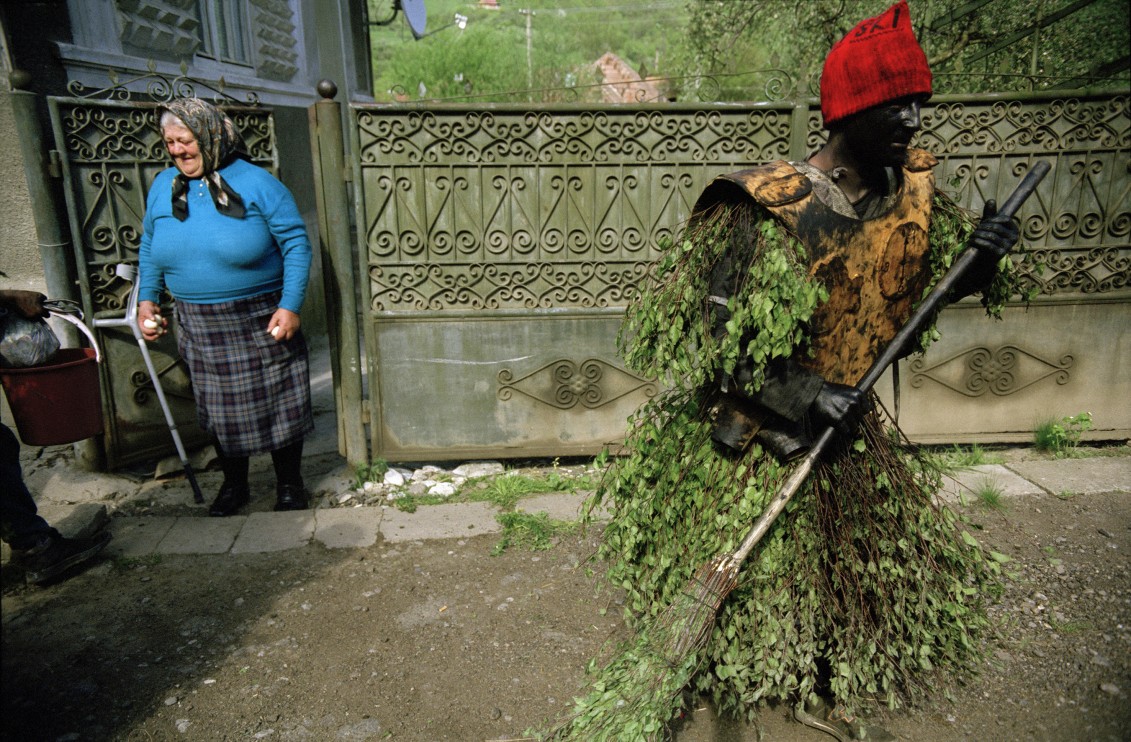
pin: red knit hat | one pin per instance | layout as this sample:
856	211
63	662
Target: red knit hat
878	61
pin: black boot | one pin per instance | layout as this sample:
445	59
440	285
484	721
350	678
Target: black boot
291	497
229	501
234	492
289	490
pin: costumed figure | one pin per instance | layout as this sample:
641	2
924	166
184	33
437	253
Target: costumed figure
788	281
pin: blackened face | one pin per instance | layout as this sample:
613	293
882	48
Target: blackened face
881	134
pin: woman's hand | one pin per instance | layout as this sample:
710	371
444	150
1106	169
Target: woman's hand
149	319
284	324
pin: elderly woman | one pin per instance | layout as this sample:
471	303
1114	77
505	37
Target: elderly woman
226	240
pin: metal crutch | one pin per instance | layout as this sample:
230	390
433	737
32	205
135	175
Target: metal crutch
128	272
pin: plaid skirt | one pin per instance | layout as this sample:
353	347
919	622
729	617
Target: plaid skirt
252	392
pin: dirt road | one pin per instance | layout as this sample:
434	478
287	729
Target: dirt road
439	640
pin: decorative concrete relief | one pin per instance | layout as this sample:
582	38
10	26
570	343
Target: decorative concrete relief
565	384
1001	372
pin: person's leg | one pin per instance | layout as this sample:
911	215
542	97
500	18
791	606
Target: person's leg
289	488
234	492
22	527
39	548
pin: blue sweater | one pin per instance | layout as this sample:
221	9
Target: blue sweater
211	258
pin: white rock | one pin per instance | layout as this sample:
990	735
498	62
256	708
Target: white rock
406	473
478	469
183	725
442	489
394	478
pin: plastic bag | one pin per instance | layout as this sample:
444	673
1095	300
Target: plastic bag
25	342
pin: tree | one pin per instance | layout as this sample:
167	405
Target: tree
972	45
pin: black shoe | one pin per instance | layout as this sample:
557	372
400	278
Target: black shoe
290	497
58	554
229	501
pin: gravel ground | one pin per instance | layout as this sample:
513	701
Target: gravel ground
440	640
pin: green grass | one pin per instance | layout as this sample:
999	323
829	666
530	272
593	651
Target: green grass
534	531
372	472
507	489
124	563
1070	627
989	496
1060	437
503	490
957	458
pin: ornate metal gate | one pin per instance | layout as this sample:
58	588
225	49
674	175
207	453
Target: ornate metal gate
108	149
498	245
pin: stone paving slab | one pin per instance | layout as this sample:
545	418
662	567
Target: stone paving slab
966	483
1078	476
201	535
134	537
440	521
76	521
558	505
561	505
347	528
274	532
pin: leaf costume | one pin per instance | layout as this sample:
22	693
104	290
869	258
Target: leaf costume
864	585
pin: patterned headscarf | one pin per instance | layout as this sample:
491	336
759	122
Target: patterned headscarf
219	143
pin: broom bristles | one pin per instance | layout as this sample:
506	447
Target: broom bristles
686	624
652	672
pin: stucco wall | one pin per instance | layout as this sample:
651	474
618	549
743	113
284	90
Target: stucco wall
19	249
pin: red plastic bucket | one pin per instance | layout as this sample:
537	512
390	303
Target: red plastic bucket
58	402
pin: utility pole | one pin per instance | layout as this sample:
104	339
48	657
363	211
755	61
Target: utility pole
529	52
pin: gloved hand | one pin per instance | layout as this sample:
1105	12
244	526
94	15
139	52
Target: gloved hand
992	238
838	406
29	304
995	234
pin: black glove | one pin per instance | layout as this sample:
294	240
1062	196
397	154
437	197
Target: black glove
838	406
994	236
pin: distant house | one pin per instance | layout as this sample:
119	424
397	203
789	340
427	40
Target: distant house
620	83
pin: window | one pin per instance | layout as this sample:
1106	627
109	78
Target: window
223	31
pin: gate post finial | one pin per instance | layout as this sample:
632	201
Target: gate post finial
327	89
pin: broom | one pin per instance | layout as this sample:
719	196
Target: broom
664	654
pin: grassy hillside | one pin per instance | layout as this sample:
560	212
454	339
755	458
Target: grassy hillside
491	54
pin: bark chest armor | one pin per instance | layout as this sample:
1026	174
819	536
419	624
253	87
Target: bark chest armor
875	270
